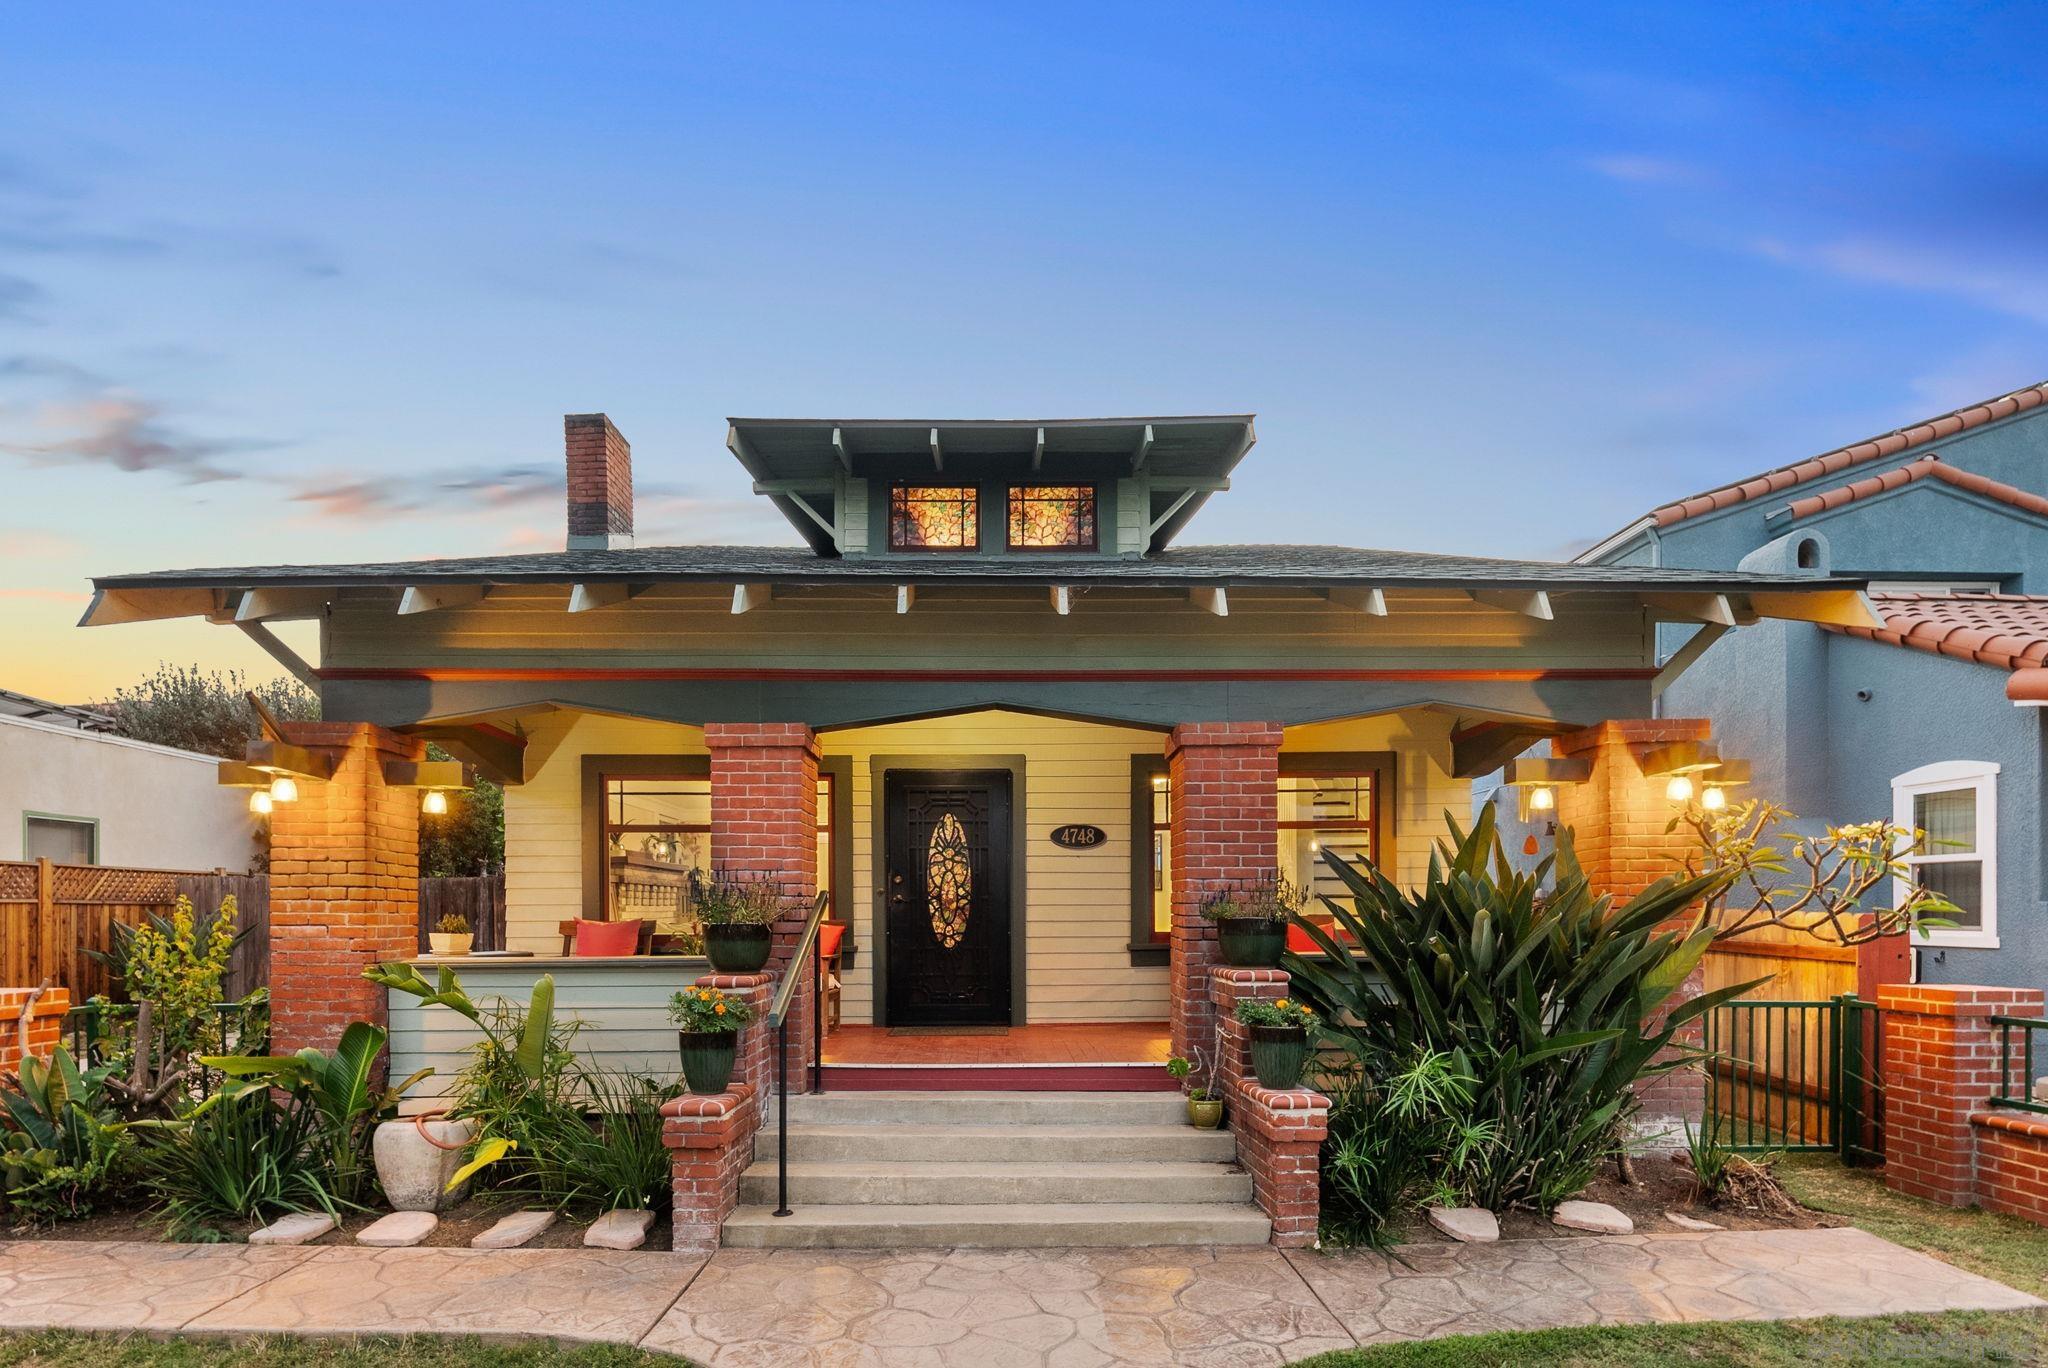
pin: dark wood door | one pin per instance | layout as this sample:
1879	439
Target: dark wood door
946	897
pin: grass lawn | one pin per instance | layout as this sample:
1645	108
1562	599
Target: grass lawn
64	1349
2011	1251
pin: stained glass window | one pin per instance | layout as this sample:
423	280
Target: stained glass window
1052	517
948	881
934	518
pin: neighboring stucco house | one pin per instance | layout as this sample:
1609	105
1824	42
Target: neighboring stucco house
989	647
1934	718
72	793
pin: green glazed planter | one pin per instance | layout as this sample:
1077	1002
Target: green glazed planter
738	947
1205	1113
1251	942
707	1059
1279	1055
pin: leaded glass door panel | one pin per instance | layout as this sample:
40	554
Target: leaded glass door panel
946	897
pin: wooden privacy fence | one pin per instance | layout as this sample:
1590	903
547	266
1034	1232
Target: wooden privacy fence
52	915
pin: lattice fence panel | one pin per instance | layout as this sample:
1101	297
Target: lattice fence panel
91	884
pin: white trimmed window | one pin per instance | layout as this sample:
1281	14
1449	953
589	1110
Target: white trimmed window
1956	804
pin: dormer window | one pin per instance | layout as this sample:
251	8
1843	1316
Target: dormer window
934	518
1052	518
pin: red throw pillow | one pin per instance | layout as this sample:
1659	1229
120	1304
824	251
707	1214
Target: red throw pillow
829	936
607	938
1300	942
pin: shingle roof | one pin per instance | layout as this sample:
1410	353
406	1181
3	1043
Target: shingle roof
2007	631
1924	468
1193	565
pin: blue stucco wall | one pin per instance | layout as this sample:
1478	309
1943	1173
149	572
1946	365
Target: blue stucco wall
1929	527
1785	697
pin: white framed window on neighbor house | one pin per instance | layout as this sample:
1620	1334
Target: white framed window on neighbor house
1956	803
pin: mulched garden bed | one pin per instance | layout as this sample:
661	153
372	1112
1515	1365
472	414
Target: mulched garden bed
1663	1183
457	1227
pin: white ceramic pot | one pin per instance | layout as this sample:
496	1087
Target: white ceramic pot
450	943
414	1170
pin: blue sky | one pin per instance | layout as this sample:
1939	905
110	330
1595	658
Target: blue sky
280	284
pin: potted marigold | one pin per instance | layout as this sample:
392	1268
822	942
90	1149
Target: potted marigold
1279	1039
1251	923
451	935
708	1037
738	916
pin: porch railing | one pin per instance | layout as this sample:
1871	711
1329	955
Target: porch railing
2016	1037
778	1017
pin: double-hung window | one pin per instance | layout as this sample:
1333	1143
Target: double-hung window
1956	804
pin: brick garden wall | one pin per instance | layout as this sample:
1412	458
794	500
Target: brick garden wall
1279	1134
45	1024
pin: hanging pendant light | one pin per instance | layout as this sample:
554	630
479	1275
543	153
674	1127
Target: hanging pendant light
284	789
259	802
434	803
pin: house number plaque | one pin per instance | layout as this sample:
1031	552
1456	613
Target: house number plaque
1078	836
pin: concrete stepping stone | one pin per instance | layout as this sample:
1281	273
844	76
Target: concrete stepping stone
619	1229
398	1230
1597	1217
298	1228
514	1230
1685	1222
1468	1225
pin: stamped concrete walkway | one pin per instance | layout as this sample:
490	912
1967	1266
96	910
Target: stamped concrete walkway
1060	1308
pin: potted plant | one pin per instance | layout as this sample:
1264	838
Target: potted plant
738	916
1205	1108
709	1023
450	935
1251	923
1279	1039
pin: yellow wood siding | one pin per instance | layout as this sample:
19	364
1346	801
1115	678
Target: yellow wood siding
857	627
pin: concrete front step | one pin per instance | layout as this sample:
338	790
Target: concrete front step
1034	1225
895	1183
990	1108
920	1142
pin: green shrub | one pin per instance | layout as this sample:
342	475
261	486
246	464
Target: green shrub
251	1156
1549	1000
1394	1138
602	1148
62	1150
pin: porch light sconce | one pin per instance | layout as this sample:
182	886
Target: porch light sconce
1731	774
262	785
285	765
284	789
1538	779
435	778
1684	763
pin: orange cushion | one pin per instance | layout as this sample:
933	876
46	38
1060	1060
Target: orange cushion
1300	942
607	938
830	934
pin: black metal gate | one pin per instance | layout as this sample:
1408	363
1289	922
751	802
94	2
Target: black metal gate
1798	1076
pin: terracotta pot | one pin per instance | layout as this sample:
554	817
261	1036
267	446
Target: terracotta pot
738	948
1205	1113
1279	1055
1251	942
450	942
707	1059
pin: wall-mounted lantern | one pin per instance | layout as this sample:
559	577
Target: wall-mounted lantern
435	779
1730	774
1683	764
1538	778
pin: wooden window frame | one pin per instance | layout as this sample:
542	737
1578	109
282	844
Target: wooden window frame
1094	542
1949	776
91	824
973	491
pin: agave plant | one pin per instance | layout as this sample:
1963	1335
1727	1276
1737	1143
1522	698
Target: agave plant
336	1087
516	1060
1554	1002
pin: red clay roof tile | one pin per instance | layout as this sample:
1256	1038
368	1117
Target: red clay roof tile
2006	631
1891	443
1927	466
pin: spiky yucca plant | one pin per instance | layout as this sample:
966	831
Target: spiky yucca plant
1551	1001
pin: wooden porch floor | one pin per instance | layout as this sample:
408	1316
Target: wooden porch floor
1086	1042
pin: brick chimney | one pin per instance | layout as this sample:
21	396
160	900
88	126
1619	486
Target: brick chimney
600	483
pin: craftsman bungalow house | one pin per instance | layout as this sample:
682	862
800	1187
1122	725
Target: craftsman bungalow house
988	637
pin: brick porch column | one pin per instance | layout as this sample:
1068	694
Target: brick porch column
764	823
1940	1069
344	884
1617	819
1223	779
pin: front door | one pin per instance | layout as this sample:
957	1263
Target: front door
946	897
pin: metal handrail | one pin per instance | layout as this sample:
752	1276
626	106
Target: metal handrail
778	1017
2028	1028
